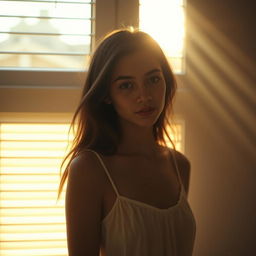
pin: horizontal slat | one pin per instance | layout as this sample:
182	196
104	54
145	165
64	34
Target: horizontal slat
30	163
19	222
47	211
30	127
45	17
21	173
45	53
39	136
32	228
32	236
28	182
33	157
31	145
46	9
16	245
12	171
31	203
5	137
37	252
23	179
32	219
36	207
27	186
43	34
26	151
49	198
35	141
28	155
52	1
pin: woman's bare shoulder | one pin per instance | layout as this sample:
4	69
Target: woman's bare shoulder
87	164
181	159
85	158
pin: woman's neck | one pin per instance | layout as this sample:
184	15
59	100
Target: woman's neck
138	141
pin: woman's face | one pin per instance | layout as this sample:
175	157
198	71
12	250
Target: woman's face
137	89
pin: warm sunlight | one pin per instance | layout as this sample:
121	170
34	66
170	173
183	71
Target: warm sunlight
177	135
165	21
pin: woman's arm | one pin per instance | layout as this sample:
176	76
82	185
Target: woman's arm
84	197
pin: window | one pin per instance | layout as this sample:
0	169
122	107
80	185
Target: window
165	21
46	34
26	89
31	222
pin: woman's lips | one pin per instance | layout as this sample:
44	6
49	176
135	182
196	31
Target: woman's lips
145	112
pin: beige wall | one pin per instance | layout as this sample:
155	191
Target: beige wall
218	103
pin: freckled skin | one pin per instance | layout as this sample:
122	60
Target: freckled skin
133	88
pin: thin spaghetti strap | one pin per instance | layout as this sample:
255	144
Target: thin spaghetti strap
177	169
105	169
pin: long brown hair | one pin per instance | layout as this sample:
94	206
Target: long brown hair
97	122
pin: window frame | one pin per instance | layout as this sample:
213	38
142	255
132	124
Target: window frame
56	90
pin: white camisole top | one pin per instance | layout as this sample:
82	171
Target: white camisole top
134	228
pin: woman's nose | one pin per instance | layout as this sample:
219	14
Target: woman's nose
143	94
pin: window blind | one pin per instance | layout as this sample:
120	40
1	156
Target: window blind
31	222
46	33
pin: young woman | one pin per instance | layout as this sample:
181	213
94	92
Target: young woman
127	191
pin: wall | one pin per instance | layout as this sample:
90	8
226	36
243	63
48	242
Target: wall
217	100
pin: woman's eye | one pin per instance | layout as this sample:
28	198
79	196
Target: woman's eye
125	85
154	79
